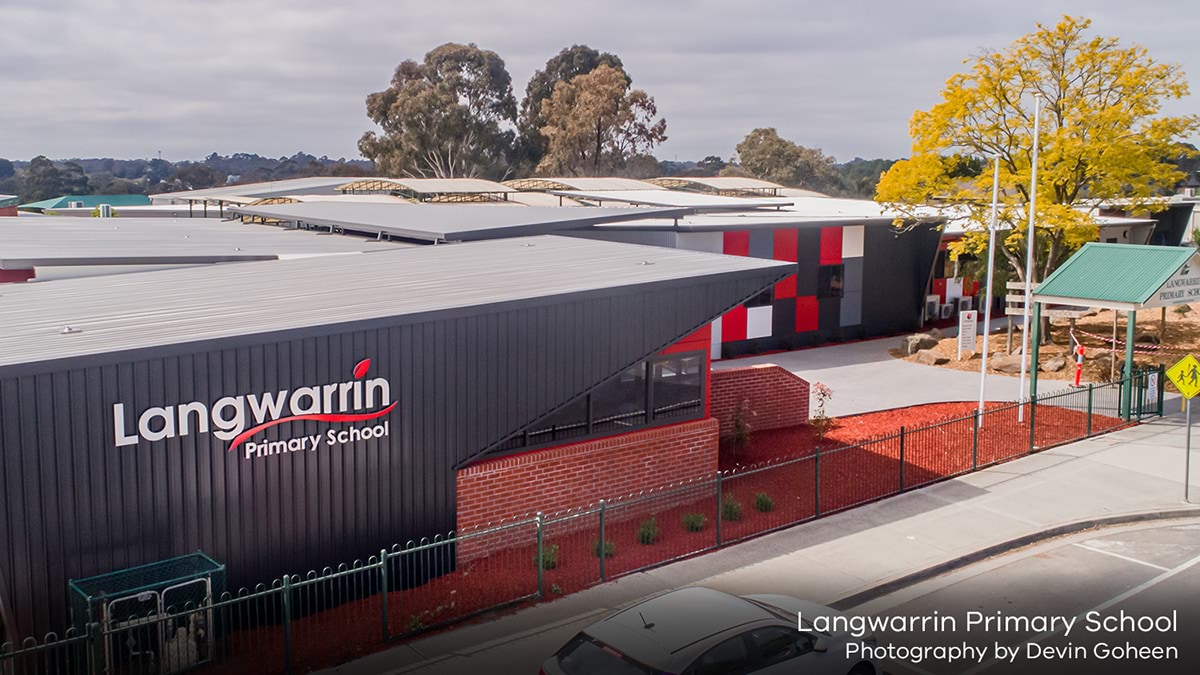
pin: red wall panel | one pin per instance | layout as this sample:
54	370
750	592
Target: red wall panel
737	243
831	246
787	245
807	317
786	288
733	324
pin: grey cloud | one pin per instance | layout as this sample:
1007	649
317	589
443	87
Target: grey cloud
188	77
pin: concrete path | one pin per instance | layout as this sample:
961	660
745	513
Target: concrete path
865	377
1135	471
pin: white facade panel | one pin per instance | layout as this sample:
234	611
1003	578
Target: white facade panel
758	322
852	241
709	242
715	351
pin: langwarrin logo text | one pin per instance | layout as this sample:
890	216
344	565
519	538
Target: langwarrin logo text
356	400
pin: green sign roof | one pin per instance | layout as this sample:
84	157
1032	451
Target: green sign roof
1117	276
88	201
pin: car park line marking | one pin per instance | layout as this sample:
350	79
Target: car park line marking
1147	585
1122	557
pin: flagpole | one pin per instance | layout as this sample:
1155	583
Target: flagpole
1025	365
991	263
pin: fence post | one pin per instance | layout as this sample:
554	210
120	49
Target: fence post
383	590
602	542
975	443
817	482
1089	413
1032	421
1139	391
95	645
287	624
1162	375
902	459
720	509
541	577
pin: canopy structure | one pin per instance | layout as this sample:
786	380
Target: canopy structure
449	222
432	189
576	183
698	201
722	185
1125	277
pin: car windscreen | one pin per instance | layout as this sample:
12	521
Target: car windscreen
586	656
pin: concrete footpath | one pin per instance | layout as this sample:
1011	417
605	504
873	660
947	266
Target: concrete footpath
1132	473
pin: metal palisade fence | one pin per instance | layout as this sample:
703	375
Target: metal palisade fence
302	623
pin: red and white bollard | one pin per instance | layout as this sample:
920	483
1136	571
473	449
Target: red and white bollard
1078	363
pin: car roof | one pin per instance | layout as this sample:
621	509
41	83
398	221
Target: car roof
678	619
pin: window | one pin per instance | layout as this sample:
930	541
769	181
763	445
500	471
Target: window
829	281
761	300
620	403
726	658
776	644
586	656
678	386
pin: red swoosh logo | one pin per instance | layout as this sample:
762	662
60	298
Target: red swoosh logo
362	417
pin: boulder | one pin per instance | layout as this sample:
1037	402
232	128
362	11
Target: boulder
1053	365
1148	339
1006	364
931	358
914	343
937	334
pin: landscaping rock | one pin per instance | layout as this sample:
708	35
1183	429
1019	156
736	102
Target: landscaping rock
931	358
915	343
1007	364
1053	365
937	334
1148	339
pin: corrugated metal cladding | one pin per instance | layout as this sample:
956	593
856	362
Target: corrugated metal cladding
76	504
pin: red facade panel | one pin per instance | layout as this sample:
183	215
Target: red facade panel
786	289
807	317
787	245
733	324
831	246
737	243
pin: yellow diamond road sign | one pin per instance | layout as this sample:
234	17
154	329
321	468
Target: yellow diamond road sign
1186	376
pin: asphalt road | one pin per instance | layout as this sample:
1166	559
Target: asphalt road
1148	571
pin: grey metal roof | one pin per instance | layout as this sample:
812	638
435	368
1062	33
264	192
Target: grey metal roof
313	185
433	186
695	200
581	183
723	182
69	240
449	222
199	304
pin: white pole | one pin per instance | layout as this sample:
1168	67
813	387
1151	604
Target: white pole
1187	455
991	262
1037	116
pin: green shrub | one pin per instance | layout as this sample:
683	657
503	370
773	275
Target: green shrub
763	502
549	557
609	548
694	522
648	531
731	508
556	589
415	624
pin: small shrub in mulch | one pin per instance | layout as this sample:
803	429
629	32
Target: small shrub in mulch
549	557
694	522
608	549
731	508
763	502
648	532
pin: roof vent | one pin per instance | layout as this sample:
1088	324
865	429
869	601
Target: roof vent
70	330
528	245
646	262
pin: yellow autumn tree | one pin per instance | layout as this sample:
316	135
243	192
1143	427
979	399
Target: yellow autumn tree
1102	138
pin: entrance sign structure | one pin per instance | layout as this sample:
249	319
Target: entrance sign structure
1120	277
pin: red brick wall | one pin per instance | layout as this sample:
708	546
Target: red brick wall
777	397
570	476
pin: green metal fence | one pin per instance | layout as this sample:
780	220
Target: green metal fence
323	618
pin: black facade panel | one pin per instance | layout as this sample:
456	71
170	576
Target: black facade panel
808	260
76	504
896	271
829	318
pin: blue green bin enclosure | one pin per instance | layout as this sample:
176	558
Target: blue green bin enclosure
1124	277
166	586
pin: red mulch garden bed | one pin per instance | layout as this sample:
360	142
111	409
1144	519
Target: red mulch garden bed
860	461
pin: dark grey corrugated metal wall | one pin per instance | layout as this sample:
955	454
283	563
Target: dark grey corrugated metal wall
74	505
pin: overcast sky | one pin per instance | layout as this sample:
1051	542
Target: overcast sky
129	78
